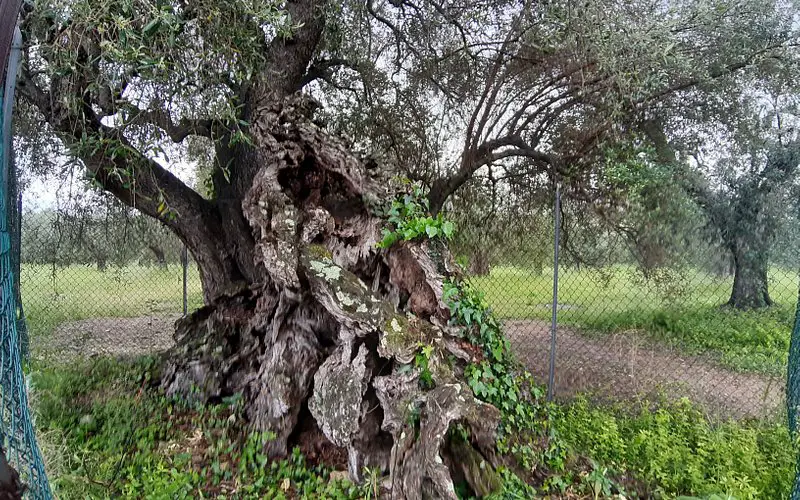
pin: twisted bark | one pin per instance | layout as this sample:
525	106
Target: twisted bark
336	323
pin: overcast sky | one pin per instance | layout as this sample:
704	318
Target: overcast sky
45	194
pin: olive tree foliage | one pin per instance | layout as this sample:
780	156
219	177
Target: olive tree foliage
503	223
787	241
451	91
648	208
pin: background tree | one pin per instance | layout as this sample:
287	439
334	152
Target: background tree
92	229
740	171
745	213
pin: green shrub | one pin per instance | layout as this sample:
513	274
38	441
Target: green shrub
675	450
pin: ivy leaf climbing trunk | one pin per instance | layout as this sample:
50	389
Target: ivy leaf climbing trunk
332	330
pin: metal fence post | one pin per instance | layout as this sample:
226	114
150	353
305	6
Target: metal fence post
185	266
554	322
12	197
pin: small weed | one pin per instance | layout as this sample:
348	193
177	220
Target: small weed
674	450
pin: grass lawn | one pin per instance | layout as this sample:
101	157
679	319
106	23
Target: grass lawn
684	312
53	295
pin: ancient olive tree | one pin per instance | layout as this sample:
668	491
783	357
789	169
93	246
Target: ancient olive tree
306	316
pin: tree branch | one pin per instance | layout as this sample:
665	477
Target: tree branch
713	75
323	69
136	180
176	131
288	58
485	154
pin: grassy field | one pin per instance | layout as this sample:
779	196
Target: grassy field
53	295
681	310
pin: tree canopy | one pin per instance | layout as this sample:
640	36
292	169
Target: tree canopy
443	91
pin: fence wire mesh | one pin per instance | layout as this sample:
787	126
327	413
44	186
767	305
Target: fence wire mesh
100	279
19	445
793	394
636	316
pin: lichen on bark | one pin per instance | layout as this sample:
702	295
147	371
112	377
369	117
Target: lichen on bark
336	324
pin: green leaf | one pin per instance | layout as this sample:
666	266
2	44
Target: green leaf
497	352
448	228
151	27
432	231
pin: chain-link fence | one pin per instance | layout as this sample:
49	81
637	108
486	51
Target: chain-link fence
99	278
637	313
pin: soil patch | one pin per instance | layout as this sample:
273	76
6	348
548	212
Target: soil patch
615	366
625	366
108	337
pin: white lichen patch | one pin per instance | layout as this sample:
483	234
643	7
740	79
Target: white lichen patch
326	271
339	386
344	299
396	326
362	309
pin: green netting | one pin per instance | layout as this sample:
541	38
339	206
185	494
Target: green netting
16	427
793	391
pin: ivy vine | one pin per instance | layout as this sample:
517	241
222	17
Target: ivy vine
409	219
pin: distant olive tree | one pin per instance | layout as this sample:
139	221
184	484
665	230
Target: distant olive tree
745	210
100	234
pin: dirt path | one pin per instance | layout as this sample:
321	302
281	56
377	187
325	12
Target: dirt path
625	366
108	337
616	366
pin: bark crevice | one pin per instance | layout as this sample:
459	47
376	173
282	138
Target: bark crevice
336	322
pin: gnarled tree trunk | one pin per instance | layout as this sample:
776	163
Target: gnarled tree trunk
750	281
161	258
333	323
